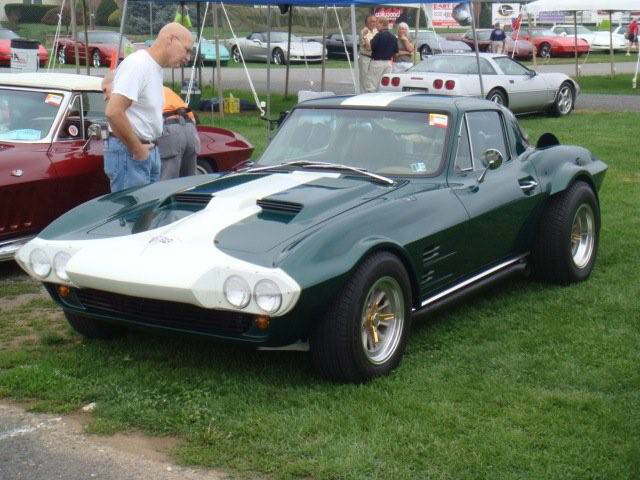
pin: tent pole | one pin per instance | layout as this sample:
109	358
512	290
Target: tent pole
124	14
324	47
74	35
613	72
575	40
413	55
268	70
354	44
181	66
216	66
200	44
286	76
86	36
475	44
151	19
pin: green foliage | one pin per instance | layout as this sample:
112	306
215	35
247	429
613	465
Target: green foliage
105	9
21	13
604	25
137	21
114	18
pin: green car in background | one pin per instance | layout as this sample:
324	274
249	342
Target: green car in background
207	50
363	212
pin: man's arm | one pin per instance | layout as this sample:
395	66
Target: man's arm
121	127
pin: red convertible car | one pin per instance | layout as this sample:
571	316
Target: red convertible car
48	161
103	44
6	36
549	44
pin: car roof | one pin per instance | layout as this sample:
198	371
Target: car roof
59	81
400	101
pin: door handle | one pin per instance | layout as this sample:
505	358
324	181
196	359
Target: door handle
527	185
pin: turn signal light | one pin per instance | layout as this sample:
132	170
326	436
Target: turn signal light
450	84
437	84
63	290
262	322
395	81
384	81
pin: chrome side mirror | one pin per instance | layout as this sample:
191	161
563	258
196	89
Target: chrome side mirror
492	159
95	132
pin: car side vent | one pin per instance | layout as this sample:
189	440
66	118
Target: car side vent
279	206
196	199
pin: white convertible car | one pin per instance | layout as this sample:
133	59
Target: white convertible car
597	40
506	82
254	48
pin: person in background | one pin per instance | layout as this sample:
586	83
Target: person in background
498	38
367	84
384	47
134	112
404	58
179	143
632	35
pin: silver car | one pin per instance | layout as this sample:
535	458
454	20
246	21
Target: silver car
254	48
506	82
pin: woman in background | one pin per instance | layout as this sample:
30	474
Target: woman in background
404	58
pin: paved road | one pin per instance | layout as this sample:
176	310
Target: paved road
48	447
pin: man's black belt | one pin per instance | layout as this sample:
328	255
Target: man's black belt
181	120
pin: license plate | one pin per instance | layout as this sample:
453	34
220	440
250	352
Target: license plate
415	89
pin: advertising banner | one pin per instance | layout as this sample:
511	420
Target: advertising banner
504	13
392	13
443	15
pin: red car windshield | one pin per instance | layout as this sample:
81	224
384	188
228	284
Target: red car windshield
27	115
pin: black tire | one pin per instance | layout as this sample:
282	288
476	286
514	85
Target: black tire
498	96
277	57
565	100
91	328
203	167
555	257
425	51
544	50
235	54
337	344
96	62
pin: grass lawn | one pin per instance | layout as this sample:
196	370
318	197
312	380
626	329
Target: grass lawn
619	85
525	381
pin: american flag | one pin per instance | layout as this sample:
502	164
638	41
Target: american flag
515	23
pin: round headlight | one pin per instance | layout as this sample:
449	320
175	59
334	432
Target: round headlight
237	291
268	296
60	265
39	263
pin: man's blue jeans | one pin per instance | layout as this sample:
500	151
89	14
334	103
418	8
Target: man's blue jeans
126	172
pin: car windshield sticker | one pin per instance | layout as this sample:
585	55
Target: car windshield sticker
418	167
53	99
73	130
438	120
24	134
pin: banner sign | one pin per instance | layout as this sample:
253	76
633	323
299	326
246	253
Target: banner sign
443	15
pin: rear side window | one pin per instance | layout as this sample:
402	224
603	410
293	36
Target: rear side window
486	132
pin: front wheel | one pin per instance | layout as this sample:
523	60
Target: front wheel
277	57
235	54
425	51
364	333
545	50
203	167
565	100
567	243
498	96
91	328
62	59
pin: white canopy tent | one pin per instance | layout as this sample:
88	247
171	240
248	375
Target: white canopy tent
584	5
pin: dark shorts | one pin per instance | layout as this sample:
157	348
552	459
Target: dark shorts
633	38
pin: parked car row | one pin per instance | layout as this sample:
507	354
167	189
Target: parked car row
49	154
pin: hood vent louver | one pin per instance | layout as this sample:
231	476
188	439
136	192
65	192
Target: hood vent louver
195	199
278	206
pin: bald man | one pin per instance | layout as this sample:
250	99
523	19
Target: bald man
134	109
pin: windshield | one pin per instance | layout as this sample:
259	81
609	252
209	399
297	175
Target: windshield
27	115
382	142
542	33
453	64
8	34
278	37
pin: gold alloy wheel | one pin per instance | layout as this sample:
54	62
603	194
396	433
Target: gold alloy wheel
382	320
583	236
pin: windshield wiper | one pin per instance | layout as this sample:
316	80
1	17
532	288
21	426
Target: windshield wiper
328	165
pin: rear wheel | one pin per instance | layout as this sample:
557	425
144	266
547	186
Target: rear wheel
91	328
364	333
203	167
95	59
567	242
235	54
498	96
277	57
62	59
545	50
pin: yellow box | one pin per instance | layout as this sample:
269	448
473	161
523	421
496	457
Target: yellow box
231	104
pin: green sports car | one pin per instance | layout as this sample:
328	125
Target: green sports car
363	212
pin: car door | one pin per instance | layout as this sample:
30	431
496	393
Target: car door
76	158
527	90
255	48
501	203
27	177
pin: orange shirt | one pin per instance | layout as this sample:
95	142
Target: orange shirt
172	101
